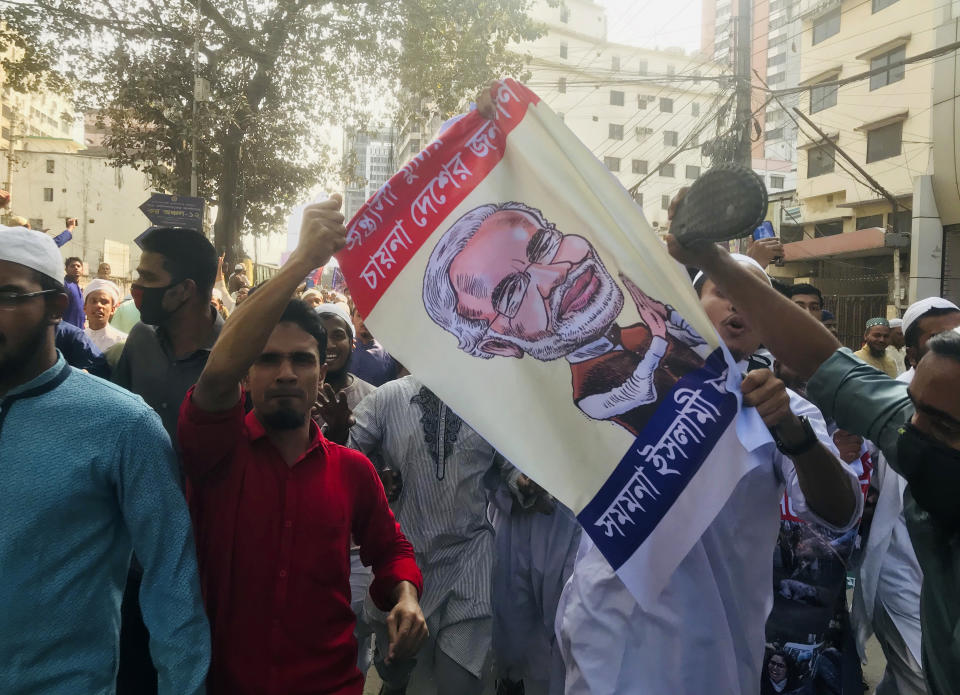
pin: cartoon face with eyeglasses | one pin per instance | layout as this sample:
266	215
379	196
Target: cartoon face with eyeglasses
506	282
536	290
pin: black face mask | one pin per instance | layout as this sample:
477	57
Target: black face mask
149	301
933	471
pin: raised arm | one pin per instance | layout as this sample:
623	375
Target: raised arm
797	339
246	332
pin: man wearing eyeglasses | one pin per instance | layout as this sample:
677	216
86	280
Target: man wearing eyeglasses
507	283
87	474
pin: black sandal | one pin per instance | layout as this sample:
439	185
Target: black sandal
728	201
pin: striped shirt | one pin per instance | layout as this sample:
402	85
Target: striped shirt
441	509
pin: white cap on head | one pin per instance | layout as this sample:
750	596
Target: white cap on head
101	284
896	323
32	249
239	266
338	311
918	309
312	292
216	294
742	260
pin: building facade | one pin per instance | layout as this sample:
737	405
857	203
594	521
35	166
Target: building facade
371	159
54	179
858	241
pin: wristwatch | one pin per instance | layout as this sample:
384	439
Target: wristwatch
802	447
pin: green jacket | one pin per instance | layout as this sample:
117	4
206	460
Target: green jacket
867	402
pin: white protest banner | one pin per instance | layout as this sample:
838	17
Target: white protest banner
517	279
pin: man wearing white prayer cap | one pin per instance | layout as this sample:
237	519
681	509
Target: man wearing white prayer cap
921	321
99	302
88	475
896	350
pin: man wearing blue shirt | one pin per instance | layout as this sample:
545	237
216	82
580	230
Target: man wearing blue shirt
74	312
87	475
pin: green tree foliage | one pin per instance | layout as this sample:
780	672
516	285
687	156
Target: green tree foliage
277	70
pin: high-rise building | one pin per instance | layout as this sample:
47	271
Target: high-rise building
370	156
776	31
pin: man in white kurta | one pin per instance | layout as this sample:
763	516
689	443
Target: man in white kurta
705	633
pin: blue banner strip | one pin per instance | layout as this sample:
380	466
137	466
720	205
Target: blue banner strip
660	462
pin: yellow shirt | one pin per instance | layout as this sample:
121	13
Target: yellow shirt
885	364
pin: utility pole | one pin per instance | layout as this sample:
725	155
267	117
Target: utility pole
196	98
744	117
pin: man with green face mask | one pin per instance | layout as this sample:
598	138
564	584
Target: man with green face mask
163	357
917	427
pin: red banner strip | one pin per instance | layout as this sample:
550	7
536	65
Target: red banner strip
392	226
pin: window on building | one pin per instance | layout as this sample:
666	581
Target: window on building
615	63
639	166
664	202
819	161
7	111
51	166
828	228
885	142
563	50
893	72
5	133
826	26
615	131
612	163
643	67
882	4
48	195
869	221
642	101
694	109
693	172
667	171
776	181
901	222
670	138
822	97
778	59
564	14
666	105
776	78
562	85
36	223
643	133
616	98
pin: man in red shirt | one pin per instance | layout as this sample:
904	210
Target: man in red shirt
274	503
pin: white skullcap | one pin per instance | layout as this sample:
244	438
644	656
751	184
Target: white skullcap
32	249
918	309
742	260
216	294
896	323
101	284
239	266
338	311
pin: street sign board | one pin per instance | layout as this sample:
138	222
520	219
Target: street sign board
165	210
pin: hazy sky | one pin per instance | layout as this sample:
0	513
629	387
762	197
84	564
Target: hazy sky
654	23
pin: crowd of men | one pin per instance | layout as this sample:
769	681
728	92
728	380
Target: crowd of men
236	489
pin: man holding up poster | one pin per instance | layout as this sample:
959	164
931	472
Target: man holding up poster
706	631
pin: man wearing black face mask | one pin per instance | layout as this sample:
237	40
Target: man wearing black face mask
916	427
167	351
163	357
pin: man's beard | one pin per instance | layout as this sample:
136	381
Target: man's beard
283	419
572	332
12	365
